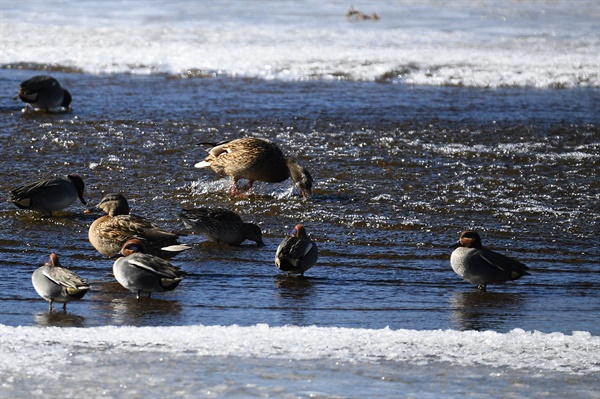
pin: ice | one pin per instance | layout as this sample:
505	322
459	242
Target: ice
576	353
481	44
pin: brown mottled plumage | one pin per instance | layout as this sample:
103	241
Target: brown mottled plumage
108	233
255	159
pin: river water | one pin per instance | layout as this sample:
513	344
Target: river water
437	118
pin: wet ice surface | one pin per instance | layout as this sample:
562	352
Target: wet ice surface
326	362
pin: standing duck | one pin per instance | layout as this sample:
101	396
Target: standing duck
143	273
255	159
57	284
49	195
221	225
481	266
297	253
44	92
108	233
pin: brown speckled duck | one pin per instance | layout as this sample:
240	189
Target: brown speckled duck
221	225
255	159
297	253
481	266
108	233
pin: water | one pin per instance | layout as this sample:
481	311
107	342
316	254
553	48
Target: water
436	118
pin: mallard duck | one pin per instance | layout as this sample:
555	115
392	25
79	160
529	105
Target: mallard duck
297	253
49	195
143	273
255	159
54	283
108	233
221	225
44	92
481	266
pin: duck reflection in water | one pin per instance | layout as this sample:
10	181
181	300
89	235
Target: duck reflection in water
58	319
485	311
130	311
117	306
295	296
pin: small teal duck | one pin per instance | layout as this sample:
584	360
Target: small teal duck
221	225
297	253
481	266
143	273
54	283
44	92
108	233
255	159
49	195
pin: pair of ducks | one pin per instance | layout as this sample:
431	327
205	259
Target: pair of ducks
135	270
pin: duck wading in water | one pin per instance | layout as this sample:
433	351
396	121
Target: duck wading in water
255	159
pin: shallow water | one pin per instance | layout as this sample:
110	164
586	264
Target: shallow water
401	167
392	193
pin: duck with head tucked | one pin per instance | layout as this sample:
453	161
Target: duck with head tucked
255	159
297	253
44	92
54	283
49	195
221	225
481	266
108	233
143	273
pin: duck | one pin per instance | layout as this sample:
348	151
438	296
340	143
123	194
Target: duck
255	159
108	233
221	225
481	266
297	252
49	195
55	283
141	273
44	92
360	16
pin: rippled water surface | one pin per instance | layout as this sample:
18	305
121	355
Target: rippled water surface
399	172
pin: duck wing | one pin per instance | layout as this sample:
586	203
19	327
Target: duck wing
155	265
136	226
502	262
293	249
27	190
65	278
